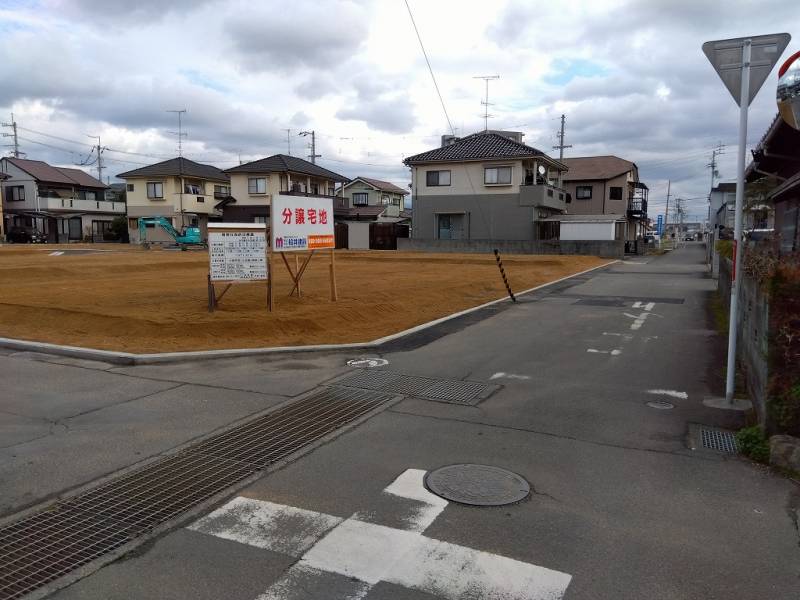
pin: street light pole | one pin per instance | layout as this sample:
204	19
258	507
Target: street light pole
744	105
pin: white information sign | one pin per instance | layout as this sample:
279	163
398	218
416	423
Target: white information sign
237	251
302	223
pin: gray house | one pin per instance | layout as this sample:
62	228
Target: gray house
486	186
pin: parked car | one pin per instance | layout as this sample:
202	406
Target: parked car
689	238
26	235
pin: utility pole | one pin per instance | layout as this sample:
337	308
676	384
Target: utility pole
180	135
288	141
313	156
99	149
714	173
486	102
13	126
666	212
561	144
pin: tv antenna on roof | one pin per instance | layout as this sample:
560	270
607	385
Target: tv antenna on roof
180	132
486	102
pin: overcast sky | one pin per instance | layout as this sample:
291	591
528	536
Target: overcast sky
629	75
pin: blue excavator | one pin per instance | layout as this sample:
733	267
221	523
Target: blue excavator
189	237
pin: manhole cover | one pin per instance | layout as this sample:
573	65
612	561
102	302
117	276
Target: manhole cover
477	485
659	405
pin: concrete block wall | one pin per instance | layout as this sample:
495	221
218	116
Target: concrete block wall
603	248
752	348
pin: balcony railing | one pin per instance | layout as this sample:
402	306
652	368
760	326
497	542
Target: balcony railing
543	195
305	194
79	204
637	200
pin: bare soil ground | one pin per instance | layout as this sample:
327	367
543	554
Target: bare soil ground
156	301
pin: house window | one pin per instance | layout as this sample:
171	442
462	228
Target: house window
434	178
155	189
256	185
497	175
259	219
360	199
315	188
583	192
129	187
195	188
90	196
385	200
615	193
331	191
16	194
201	199
221	191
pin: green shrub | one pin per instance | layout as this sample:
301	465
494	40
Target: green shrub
725	248
753	443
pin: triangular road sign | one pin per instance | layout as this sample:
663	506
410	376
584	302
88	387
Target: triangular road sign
726	58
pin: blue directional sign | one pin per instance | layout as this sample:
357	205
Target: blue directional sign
660	225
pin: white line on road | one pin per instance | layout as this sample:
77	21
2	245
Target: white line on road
673	393
626	337
367	553
615	352
649	306
638	320
57	253
502	375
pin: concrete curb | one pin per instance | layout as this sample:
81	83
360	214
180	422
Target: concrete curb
128	358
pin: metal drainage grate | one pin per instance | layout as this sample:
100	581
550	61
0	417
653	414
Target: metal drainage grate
719	440
439	390
69	534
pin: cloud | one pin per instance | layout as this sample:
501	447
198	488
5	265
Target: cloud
302	37
114	10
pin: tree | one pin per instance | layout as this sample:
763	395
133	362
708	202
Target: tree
119	227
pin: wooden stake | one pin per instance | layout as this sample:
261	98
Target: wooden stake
334	293
270	280
211	297
296	270
301	271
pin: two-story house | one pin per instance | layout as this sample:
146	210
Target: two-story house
178	189
486	186
365	191
63	203
254	184
609	185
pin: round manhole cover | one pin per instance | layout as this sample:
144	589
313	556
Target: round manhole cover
478	485
660	405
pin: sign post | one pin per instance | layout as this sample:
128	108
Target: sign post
743	64
303	224
237	253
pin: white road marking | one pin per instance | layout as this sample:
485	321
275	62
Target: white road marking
638	320
366	553
411	485
374	553
615	352
502	375
649	306
56	253
367	362
262	524
626	337
673	393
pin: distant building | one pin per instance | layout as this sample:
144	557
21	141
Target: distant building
180	190
67	205
386	200
254	184
486	186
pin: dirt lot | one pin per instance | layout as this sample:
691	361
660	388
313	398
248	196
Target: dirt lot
155	301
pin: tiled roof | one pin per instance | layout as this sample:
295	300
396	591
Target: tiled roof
384	186
596	167
41	171
282	163
366	212
175	167
476	147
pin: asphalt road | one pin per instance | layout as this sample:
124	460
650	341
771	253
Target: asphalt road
620	507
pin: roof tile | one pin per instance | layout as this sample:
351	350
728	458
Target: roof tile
177	166
484	145
281	163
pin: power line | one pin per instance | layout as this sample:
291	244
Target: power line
13	126
430	68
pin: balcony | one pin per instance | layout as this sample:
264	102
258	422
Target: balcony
543	195
637	201
79	205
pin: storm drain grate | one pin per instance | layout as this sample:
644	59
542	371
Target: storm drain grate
439	390
719	440
48	544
